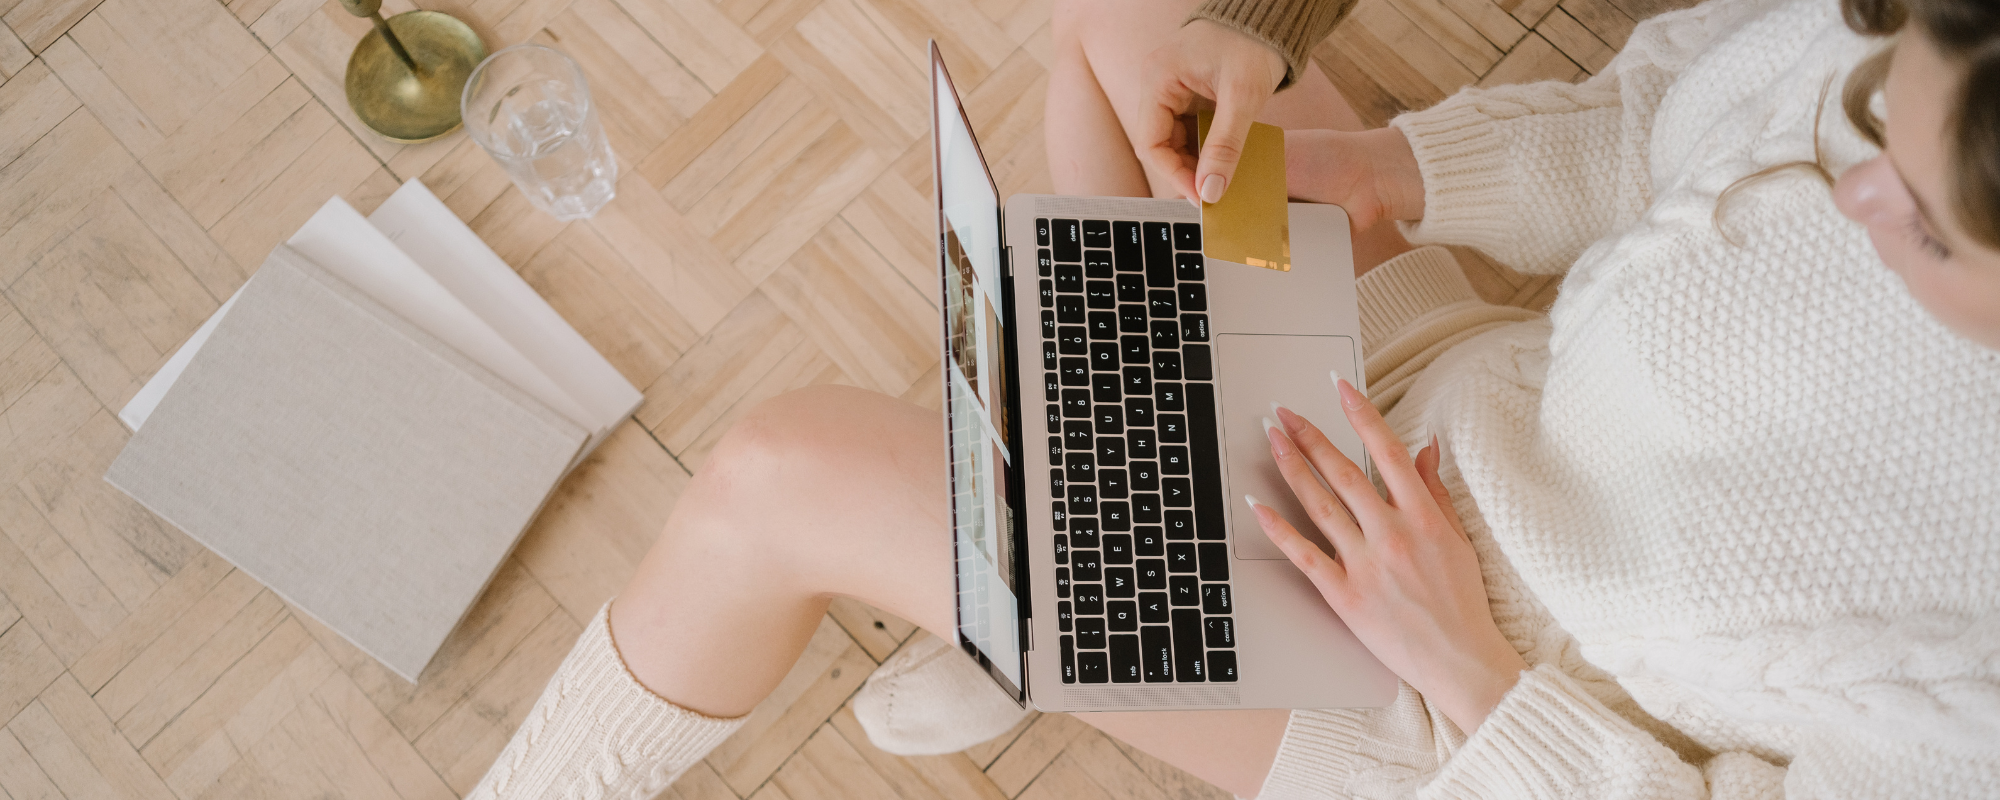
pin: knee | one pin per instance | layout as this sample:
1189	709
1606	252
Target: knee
788	443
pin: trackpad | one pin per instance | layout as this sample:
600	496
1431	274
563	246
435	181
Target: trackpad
1296	372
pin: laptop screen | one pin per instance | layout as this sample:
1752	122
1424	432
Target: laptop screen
976	391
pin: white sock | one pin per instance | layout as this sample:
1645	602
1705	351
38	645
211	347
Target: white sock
931	699
598	733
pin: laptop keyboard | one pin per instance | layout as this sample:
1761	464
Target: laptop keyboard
1142	571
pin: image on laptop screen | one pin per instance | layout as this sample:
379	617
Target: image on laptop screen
975	373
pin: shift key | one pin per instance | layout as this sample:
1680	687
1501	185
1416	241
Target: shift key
1188	667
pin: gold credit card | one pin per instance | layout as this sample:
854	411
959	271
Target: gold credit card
1250	225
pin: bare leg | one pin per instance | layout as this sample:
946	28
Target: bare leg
1094	99
834	491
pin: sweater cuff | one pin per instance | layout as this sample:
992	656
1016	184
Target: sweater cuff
1292	29
1547	738
1316	756
1404	289
1462	156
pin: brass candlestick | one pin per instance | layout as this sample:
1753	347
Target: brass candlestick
405	76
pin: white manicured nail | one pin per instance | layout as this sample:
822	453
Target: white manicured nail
1254	503
1211	188
1268	425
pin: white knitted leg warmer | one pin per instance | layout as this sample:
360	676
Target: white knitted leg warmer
930	699
598	734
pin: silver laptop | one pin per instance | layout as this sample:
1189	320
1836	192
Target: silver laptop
1104	391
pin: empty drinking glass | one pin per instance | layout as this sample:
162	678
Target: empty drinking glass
530	107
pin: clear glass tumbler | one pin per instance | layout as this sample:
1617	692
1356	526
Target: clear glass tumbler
530	107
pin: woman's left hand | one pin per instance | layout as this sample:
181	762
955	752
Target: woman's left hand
1404	576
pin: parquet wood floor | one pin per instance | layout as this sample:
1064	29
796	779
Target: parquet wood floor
771	231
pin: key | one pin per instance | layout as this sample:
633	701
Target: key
1125	248
1152	573
1056	483
1048	294
1084	566
1132	318
1160	304
1166	365
1183	590
1069	278
1220	632
1061	518
1069	309
1166	333
1111	451
1062	581
1101	294
1168	397
1187	646
1149	540
1117	548
1118	582
1044	263
1134	350
1092	667
1055	450
1048	324
1174	460
1042	232
1068	659
1156	651
1063	616
1076	436
1172	427
1104	325
1207	465
1138	380
1145	507
1188	266
1082	500
1131	288
1082	533
1112	483
1062	548
1072	340
1096	233
1076	404
1179	525
1180	558
1125	659
1110	420
1145	475
1140	443
1090	599
1197	363
1187	236
1174	493
1215	598
1075	371
1214	561
1049	355
1123	615
1055	416
1089	633
1051	387
1152	607
1222	666
1104	356
1194	327
1097	263
1104	388
1159	254
1116	515
1193	297
1067	239
1139	409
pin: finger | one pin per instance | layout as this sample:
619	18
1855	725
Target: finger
1427	468
1159	145
1348	481
1326	573
1236	104
1326	511
1392	459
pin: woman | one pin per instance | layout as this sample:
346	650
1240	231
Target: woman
1733	504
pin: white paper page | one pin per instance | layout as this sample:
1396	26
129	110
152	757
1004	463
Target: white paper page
340	241
141	406
425	229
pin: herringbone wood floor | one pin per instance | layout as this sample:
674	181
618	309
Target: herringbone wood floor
771	231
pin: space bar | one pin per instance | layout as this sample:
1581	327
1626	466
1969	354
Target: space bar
1207	466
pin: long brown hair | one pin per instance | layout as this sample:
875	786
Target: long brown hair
1968	32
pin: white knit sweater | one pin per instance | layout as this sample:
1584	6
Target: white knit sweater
1739	504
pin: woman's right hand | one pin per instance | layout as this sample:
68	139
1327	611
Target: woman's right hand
1371	174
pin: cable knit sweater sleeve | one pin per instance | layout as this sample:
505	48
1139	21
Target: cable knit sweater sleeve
1532	174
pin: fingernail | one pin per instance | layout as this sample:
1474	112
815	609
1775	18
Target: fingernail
1279	412
1279	442
1348	395
1254	503
1211	188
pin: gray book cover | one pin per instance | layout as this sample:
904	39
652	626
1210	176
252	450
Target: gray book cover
353	463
